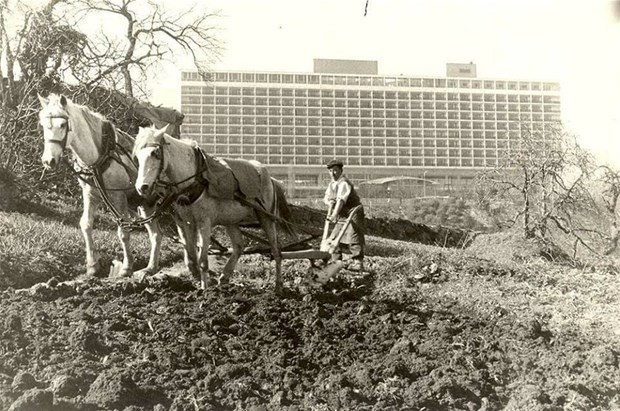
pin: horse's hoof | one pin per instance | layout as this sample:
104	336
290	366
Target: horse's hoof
223	280
93	270
125	272
211	282
141	275
146	271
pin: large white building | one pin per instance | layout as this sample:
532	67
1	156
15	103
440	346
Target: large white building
441	128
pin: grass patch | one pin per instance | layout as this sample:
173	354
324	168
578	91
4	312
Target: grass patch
35	248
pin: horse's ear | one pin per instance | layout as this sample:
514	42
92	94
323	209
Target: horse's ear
63	101
43	100
161	131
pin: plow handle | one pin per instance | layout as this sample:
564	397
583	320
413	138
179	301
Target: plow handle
326	227
330	246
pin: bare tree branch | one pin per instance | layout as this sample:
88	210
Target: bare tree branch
147	37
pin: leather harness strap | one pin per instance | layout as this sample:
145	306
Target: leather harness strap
190	194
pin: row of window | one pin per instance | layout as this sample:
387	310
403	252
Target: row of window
378	128
355	109
310	146
376	81
352	136
413	121
287	114
302	118
354	151
361	95
476	151
369	161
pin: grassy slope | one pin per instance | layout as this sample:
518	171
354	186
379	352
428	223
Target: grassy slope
35	249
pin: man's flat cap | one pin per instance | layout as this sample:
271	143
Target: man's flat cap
334	163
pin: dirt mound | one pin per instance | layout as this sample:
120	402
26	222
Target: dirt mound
114	388
510	247
392	228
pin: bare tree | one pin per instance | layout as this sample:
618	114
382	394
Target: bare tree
33	48
544	175
144	36
610	196
6	50
136	39
55	44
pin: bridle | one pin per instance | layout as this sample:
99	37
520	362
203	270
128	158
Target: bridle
160	150
193	190
62	143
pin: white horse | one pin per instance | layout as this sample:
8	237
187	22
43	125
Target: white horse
104	168
182	166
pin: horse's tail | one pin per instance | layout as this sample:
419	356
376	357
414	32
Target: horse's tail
282	209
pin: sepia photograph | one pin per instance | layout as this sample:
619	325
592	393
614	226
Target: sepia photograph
316	205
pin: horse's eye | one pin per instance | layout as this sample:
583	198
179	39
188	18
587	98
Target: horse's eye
157	154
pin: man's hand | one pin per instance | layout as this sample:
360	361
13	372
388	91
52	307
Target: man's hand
334	211
330	208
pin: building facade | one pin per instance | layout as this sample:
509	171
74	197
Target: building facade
439	129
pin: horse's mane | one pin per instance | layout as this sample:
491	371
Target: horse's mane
189	142
142	139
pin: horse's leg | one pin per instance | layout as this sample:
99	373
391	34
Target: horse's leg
86	225
124	234
187	233
155	237
269	226
236	239
204	234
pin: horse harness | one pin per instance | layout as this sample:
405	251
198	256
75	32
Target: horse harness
92	175
189	194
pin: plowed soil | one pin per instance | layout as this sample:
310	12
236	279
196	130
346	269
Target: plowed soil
462	334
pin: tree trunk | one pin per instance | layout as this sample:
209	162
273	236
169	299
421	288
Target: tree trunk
527	230
127	80
10	65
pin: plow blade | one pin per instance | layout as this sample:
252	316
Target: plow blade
317	275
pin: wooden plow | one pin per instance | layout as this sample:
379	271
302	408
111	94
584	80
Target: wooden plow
321	268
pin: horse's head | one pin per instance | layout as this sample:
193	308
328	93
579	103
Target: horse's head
149	152
54	119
